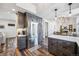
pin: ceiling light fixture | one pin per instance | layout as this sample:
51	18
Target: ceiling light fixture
70	9
55	13
13	9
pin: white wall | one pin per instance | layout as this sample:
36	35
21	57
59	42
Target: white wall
6	15
9	31
50	27
77	25
43	27
50	30
27	6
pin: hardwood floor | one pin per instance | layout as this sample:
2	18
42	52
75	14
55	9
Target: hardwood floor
38	52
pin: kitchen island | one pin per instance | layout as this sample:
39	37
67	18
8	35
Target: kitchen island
63	45
67	38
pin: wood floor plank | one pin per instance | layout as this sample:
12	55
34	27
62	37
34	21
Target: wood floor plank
38	52
31	53
45	52
28	53
42	52
25	53
17	53
22	52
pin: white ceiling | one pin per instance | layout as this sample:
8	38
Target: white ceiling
46	10
7	7
6	11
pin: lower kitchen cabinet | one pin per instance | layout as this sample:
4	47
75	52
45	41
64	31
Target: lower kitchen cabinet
61	47
22	43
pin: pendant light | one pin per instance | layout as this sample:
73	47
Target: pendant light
55	13
70	9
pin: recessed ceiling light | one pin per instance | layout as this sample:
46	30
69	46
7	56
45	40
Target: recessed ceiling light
13	9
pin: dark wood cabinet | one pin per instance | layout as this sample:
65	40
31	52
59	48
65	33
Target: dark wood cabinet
52	46
21	19
61	47
21	43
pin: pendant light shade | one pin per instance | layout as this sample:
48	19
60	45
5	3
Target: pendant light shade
56	12
70	8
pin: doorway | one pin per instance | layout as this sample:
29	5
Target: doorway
34	36
34	33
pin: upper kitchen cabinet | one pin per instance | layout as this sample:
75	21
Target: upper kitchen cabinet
21	20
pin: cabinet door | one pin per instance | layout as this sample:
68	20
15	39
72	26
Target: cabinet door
21	42
21	20
62	47
68	48
59	47
52	46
